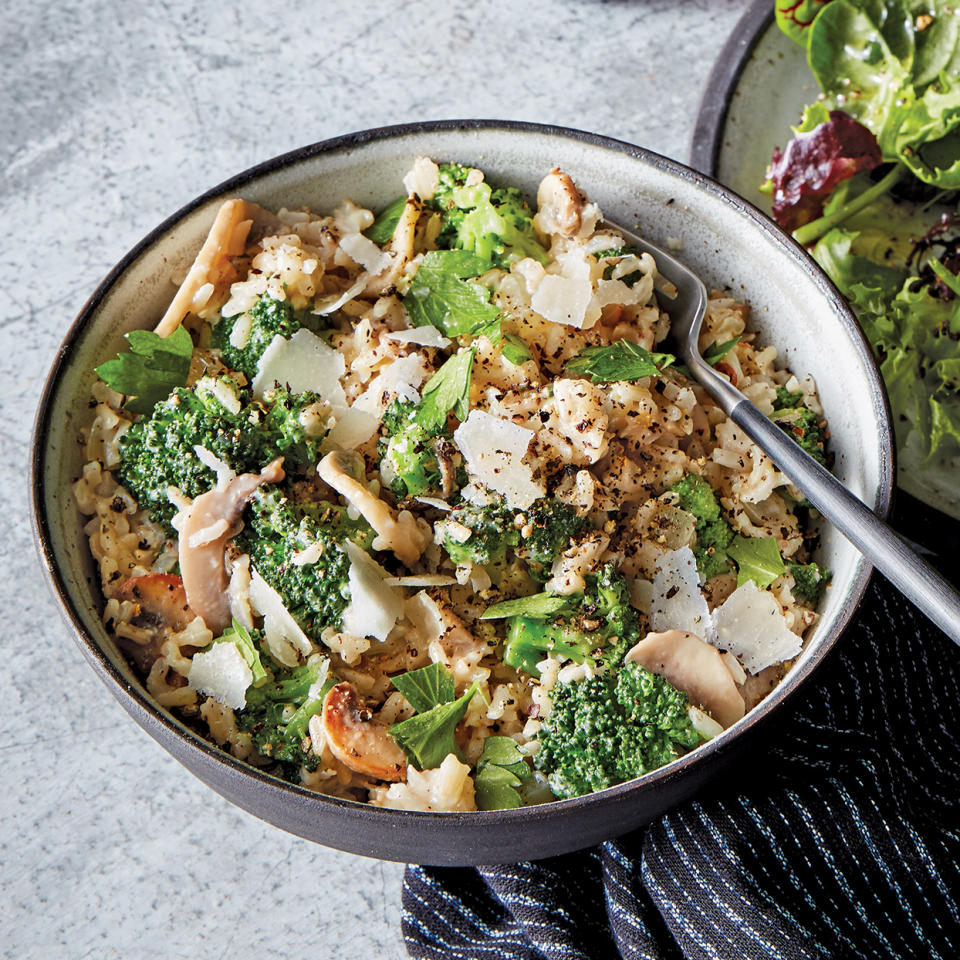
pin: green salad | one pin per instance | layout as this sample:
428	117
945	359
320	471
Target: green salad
869	184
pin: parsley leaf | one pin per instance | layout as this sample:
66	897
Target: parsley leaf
500	770
382	228
426	688
757	559
717	351
515	350
448	389
623	360
439	295
428	738
151	370
537	607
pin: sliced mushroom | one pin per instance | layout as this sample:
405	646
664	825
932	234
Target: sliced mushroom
694	667
397	532
162	609
209	523
226	239
357	740
560	205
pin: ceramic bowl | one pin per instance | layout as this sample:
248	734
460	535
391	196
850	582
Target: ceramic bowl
721	236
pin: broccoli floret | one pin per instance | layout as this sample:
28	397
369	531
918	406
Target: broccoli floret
787	399
410	451
158	451
549	528
611	728
807	428
538	535
809	580
492	533
496	225
316	594
268	317
599	621
714	533
277	714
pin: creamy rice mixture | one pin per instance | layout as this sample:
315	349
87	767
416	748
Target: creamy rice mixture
519	419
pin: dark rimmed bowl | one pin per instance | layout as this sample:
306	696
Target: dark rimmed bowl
732	246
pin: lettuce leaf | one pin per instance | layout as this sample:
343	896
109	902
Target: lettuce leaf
794	18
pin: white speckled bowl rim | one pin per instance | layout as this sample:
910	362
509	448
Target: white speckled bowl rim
723	236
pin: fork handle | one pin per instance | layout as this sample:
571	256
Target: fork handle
886	550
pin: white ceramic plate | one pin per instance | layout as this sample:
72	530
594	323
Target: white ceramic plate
756	92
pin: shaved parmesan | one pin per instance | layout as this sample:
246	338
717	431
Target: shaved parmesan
401	378
365	252
425	336
374	607
434	502
285	640
493	450
221	673
311	554
304	362
222	391
751	626
332	304
353	428
421	580
208	459
240	333
565	297
316	688
677	601
424	177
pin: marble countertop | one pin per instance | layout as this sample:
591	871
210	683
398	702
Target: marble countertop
113	116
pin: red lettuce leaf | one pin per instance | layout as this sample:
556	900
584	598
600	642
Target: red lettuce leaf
813	163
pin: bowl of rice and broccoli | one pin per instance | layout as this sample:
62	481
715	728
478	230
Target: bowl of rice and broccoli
370	486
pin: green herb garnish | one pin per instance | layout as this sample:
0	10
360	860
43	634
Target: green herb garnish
153	368
623	360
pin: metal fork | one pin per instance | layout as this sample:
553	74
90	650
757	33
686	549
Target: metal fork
886	550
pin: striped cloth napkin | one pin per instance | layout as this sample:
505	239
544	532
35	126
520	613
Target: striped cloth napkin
845	844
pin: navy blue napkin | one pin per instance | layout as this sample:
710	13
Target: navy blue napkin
845	844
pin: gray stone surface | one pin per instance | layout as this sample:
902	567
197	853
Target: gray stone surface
113	115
